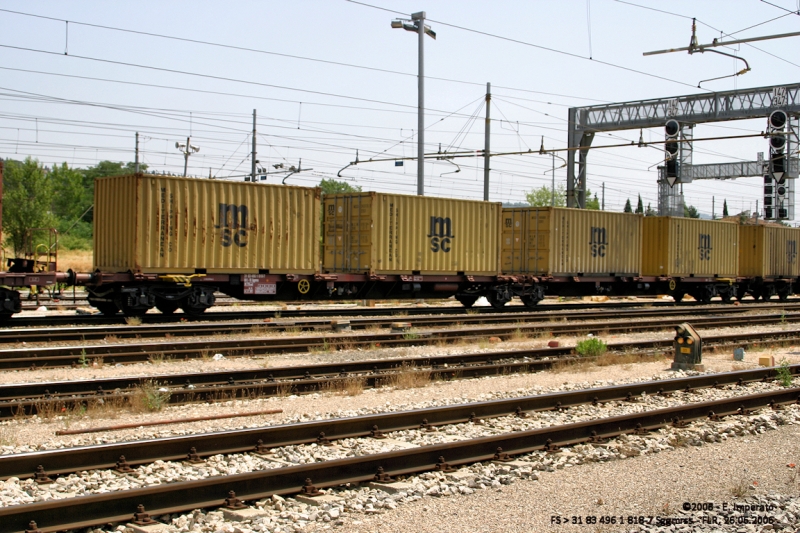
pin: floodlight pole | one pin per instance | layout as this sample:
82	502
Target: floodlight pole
418	26
186	156
420	21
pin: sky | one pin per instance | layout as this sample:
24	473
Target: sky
330	79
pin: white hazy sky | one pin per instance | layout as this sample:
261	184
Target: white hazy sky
330	77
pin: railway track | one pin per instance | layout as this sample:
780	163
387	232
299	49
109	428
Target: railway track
71	334
67	460
343	310
82	355
51	397
119	506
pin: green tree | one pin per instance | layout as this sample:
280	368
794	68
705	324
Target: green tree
689	211
628	208
102	170
639	206
27	200
331	186
725	208
69	193
592	202
650	212
542	196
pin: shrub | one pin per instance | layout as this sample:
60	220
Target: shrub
591	347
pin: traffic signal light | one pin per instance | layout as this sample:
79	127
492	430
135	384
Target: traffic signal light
671	129
776	131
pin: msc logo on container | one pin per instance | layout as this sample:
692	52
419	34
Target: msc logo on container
598	242
441	234
705	247
791	251
233	223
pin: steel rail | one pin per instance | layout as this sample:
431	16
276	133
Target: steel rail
104	456
119	506
131	353
18	335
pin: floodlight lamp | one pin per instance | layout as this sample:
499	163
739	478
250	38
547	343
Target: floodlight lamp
430	32
179	145
194	148
397	24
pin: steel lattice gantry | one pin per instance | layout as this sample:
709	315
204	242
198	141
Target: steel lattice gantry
584	122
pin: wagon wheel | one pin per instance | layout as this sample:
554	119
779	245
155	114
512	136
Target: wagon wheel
678	297
303	286
495	300
529	301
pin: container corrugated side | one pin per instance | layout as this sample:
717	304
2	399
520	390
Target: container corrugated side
570	242
382	233
768	252
166	224
690	247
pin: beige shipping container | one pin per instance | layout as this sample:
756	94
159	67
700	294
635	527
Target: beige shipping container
553	241
382	233
161	224
690	247
768	251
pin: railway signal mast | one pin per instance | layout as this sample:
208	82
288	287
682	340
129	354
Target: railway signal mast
775	187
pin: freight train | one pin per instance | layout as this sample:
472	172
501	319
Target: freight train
170	243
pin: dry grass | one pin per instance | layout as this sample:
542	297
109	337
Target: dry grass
519	336
741	488
148	397
408	377
258	331
157	358
349	386
284	389
77	260
133	320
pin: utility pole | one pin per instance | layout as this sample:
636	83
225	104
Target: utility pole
553	179
136	167
253	156
713	211
603	205
187	150
486	145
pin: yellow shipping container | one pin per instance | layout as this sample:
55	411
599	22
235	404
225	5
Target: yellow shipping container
161	224
768	251
690	247
556	241
380	233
